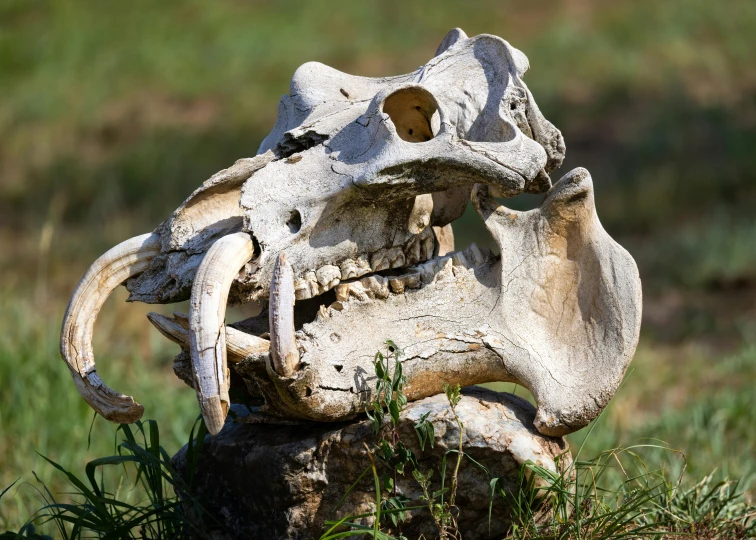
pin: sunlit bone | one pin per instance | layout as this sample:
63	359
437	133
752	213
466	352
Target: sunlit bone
361	177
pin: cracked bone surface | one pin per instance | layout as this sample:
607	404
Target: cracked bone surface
357	188
558	312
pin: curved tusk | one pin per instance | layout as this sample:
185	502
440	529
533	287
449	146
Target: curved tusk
207	335
284	354
125	260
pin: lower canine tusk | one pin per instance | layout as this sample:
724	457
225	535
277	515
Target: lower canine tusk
284	354
125	260
207	333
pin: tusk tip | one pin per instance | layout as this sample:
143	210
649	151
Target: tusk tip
214	412
127	415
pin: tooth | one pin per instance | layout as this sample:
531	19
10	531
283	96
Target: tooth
407	281
412	250
126	260
376	286
328	277
284	354
170	328
302	289
379	261
239	345
207	314
445	270
427	272
342	291
348	269
474	253
459	259
429	243
395	257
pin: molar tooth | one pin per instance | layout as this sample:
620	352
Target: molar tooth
406	281
459	259
476	254
445	269
328	277
363	265
379	261
395	256
428	241
348	269
412	250
376	286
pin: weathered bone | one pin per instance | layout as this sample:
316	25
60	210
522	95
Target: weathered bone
125	260
371	184
558	314
284	355
351	198
206	324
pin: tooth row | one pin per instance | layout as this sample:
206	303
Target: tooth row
440	269
313	283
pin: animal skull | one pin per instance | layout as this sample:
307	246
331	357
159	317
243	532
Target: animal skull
348	204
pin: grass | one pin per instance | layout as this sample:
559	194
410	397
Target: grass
113	113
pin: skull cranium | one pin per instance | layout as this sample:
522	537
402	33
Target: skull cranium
349	203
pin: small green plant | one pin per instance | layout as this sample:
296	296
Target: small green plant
393	455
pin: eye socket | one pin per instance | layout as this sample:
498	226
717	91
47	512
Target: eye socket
414	113
295	221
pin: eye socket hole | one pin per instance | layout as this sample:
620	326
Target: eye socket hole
414	113
295	221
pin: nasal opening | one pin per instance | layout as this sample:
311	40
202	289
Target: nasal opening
414	113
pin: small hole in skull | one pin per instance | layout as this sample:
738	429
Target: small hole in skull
338	367
295	221
414	113
308	391
513	106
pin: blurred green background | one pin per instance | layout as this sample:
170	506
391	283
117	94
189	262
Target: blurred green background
111	113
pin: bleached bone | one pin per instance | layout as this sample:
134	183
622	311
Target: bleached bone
371	185
206	324
357	185
127	259
559	313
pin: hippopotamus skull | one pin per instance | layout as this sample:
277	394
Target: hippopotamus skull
341	225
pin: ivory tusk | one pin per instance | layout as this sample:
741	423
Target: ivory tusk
239	345
125	260
207	336
284	354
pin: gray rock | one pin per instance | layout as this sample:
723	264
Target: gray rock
285	481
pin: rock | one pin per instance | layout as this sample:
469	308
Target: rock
284	481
